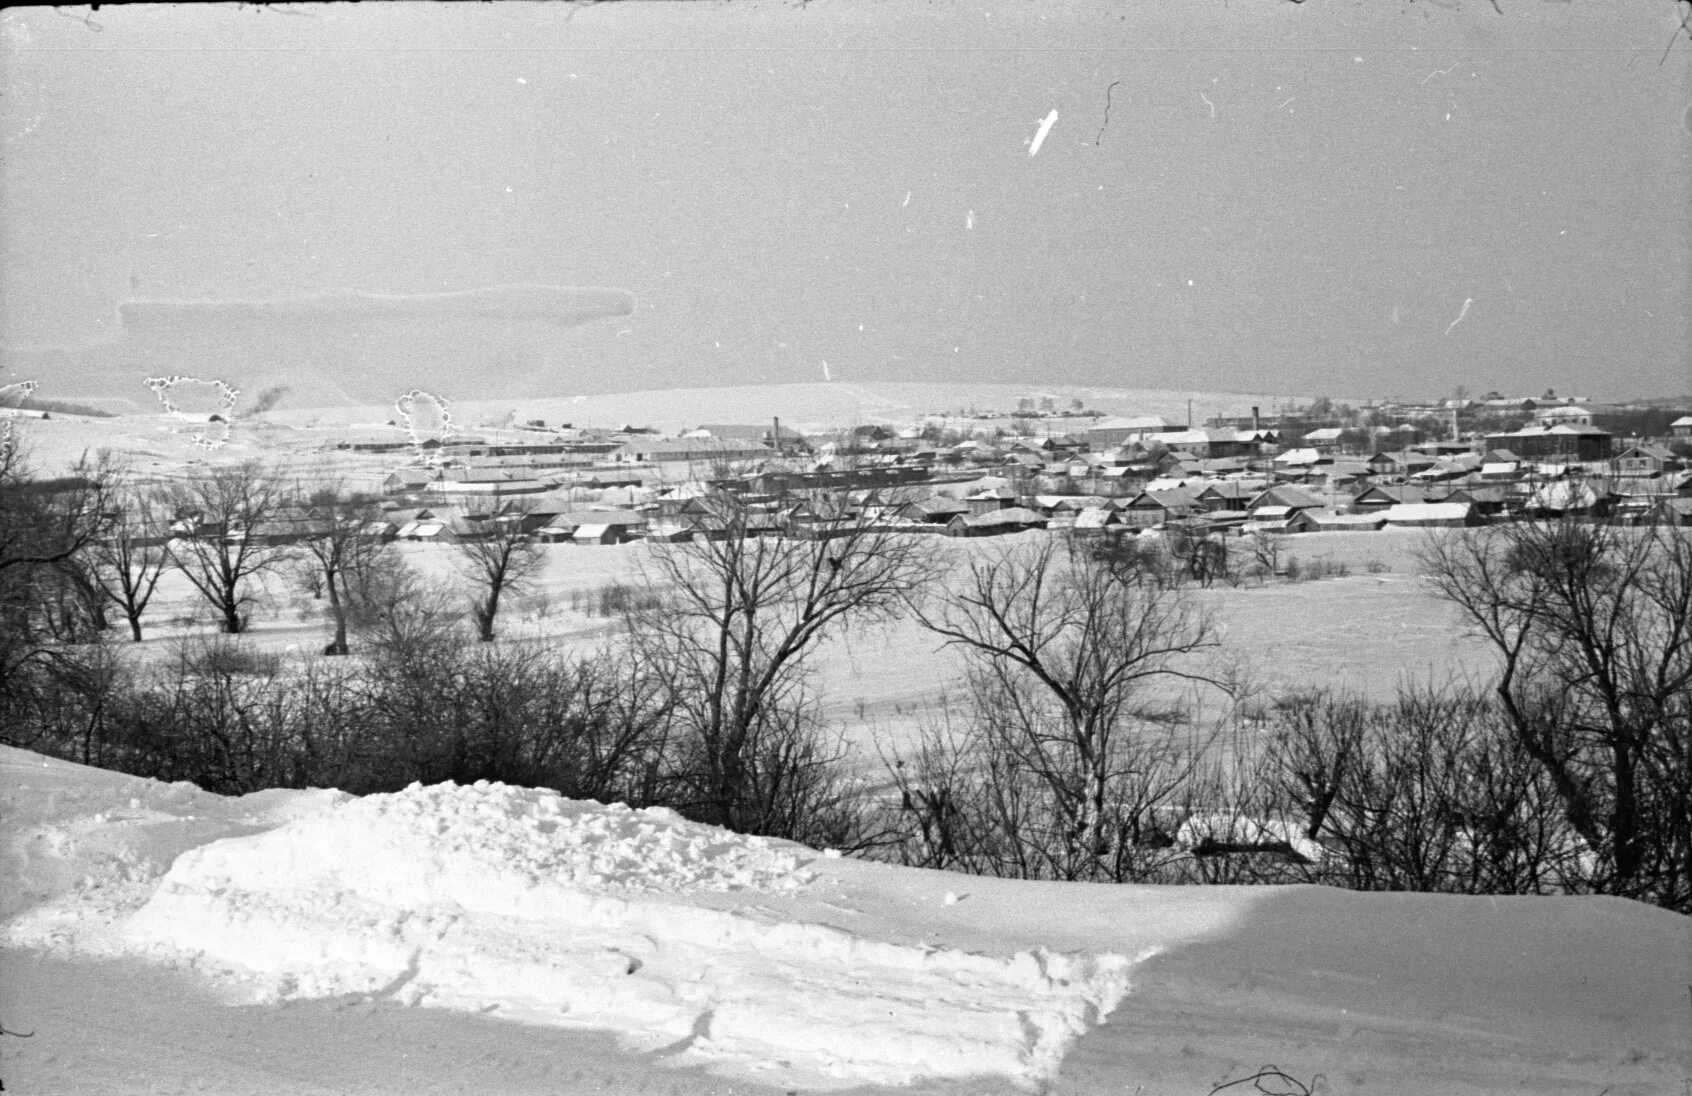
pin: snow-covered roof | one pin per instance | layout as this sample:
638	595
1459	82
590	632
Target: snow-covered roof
1330	519
1132	422
1405	513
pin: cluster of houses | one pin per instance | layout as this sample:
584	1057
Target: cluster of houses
1122	475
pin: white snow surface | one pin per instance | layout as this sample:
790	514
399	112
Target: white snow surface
555	911
493	940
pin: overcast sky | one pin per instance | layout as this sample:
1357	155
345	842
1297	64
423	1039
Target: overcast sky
1364	199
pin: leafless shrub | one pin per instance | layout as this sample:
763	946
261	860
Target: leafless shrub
1592	626
1426	793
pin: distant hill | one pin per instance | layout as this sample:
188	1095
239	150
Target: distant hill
816	406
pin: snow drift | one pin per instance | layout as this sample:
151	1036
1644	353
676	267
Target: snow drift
523	904
633	942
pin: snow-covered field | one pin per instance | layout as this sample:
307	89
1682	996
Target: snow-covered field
500	940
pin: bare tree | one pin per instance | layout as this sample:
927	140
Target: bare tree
1592	626
498	558
745	601
235	512
46	528
340	547
391	607
129	561
47	521
1062	650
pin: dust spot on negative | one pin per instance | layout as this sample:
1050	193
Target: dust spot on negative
1686	120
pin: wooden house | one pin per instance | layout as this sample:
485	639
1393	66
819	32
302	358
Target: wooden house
1012	519
1155	507
1430	515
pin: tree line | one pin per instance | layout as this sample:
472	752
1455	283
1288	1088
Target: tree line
1565	766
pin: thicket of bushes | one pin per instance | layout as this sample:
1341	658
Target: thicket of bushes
1427	792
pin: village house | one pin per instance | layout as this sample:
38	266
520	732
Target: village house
1332	521
651	450
1216	441
1324	440
404	481
1404	462
1429	515
593	526
1230	494
1488	500
1156	507
1644	460
1561	441
1681	427
1110	433
1284	496
1011	519
937	510
772	436
486	481
1380	496
1297	462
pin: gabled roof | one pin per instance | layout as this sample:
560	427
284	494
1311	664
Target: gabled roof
1010	515
1172	498
1283	495
1329	519
1489	494
1094	517
1409	512
1654	452
1231	489
1394	492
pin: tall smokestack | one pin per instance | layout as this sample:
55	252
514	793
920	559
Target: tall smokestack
1254	420
1189	414
775	435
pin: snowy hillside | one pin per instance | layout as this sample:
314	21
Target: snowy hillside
496	939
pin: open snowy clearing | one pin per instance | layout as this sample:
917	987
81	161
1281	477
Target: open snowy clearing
502	940
881	685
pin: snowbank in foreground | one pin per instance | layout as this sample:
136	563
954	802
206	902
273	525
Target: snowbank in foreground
546	910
